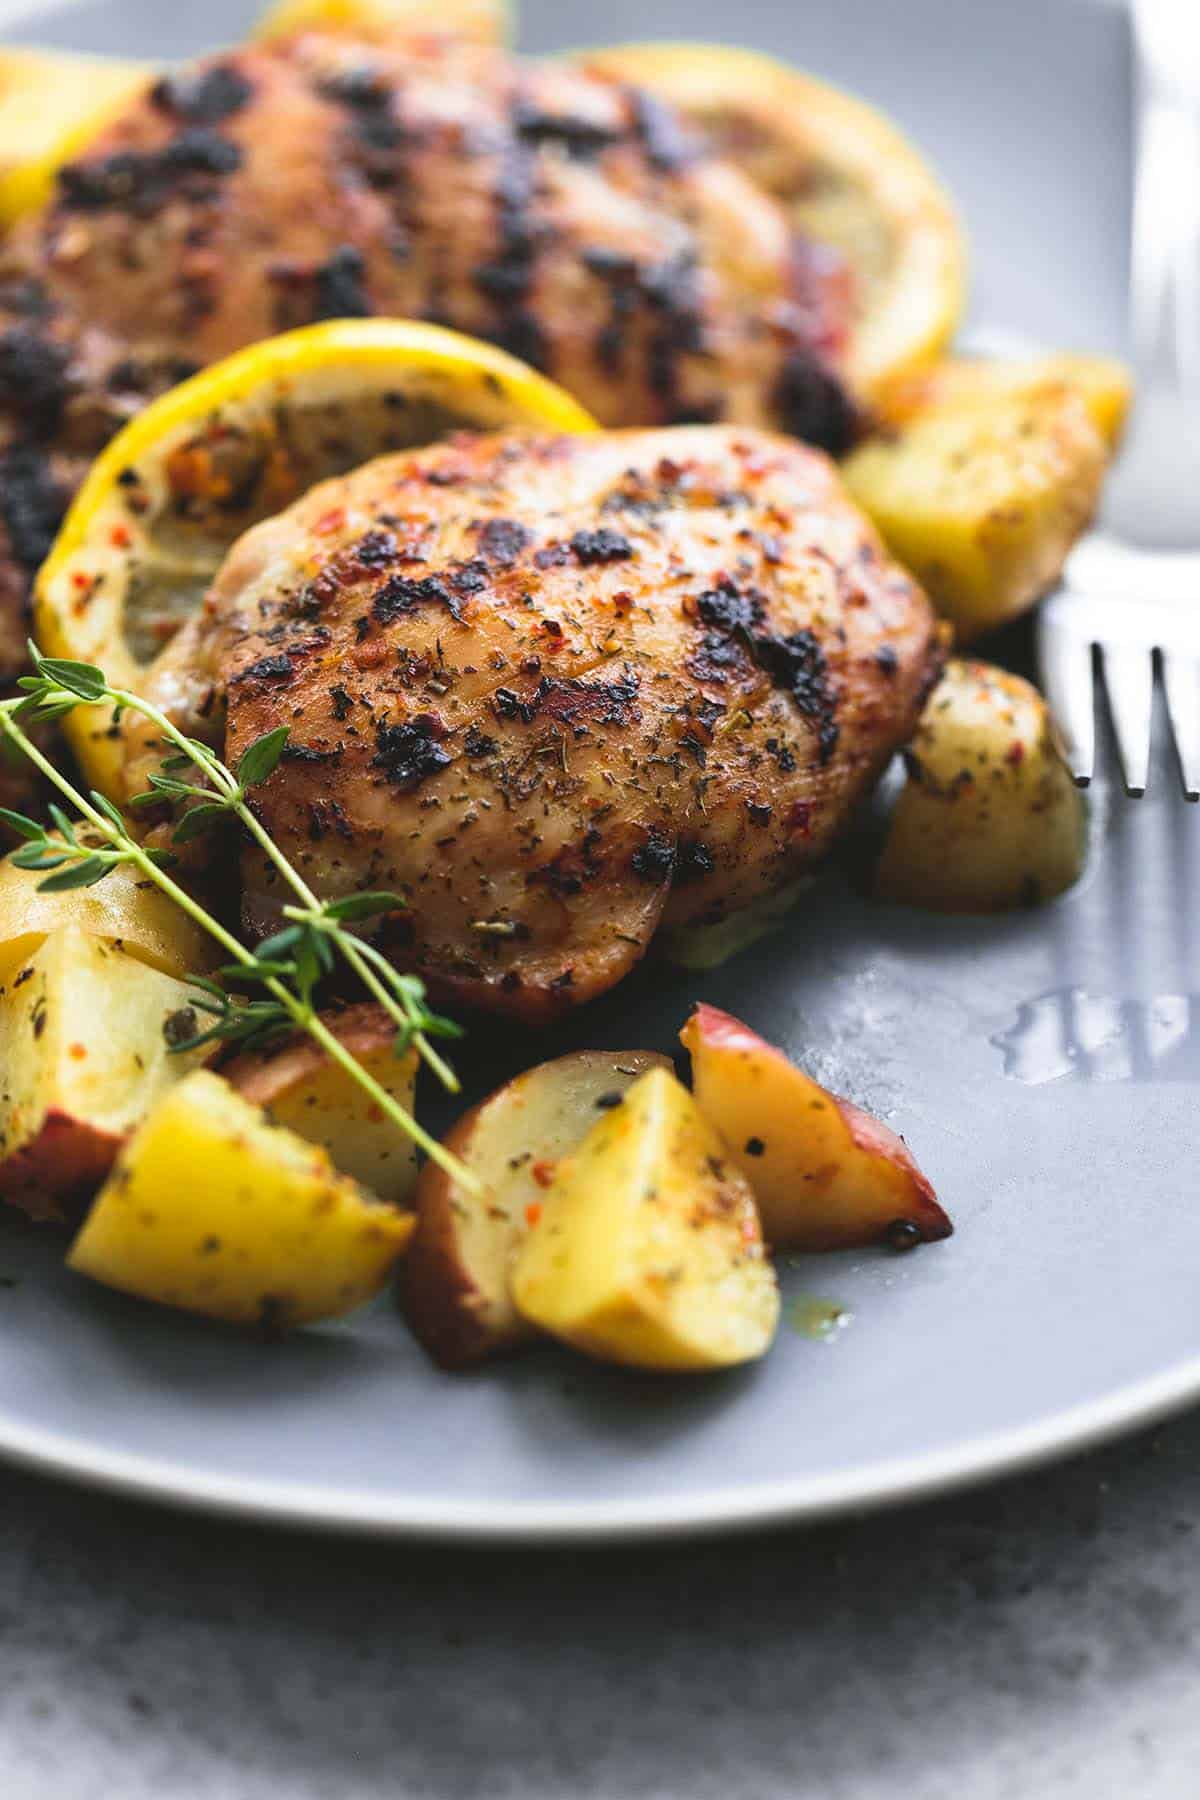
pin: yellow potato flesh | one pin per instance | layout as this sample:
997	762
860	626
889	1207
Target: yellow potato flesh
309	1093
211	1209
125	907
455	1281
1103	384
83	1059
648	1249
989	817
983	498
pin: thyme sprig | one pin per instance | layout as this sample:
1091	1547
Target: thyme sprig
285	968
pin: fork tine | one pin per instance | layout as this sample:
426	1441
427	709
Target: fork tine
1181	681
1129	679
1065	659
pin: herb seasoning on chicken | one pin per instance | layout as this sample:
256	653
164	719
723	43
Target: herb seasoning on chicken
559	213
663	720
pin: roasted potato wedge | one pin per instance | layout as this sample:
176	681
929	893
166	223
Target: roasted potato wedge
825	1174
302	1088
455	1278
1103	384
83	1058
124	908
989	817
647	1249
212	1209
983	495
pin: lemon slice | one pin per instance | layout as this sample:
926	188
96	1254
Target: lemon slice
51	105
238	442
482	21
849	178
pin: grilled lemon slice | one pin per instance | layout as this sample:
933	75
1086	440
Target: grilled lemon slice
482	21
236	443
51	104
848	177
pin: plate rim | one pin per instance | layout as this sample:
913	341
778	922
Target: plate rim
794	1501
892	1481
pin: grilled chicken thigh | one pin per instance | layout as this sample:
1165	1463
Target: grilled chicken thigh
555	691
567	217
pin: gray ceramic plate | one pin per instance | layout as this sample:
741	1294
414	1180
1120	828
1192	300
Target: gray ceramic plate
1046	1067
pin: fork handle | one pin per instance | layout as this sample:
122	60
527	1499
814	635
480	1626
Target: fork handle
1165	271
1167	48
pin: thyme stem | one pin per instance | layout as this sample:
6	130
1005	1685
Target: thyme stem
51	692
313	911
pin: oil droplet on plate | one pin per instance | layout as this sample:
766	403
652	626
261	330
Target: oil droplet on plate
1072	1032
812	1317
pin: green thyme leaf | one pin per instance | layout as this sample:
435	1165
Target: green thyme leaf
260	970
104	805
23	826
39	856
279	943
82	679
364	906
85	873
262	757
198	820
63	824
437	1025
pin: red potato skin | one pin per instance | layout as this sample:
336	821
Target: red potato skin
917	1204
262	1077
878	1139
438	1297
52	1177
453	1318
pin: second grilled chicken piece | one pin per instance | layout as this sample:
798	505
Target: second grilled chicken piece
556	691
566	216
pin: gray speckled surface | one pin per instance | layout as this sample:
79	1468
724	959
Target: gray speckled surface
1039	1640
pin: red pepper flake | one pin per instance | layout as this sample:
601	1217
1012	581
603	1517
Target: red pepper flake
543	1172
533	1213
78	1051
80	580
119	537
1015	754
330	521
370	655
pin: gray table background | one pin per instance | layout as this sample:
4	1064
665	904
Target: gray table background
1039	1640
1035	1641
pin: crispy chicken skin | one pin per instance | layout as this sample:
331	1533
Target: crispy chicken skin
568	218
557	690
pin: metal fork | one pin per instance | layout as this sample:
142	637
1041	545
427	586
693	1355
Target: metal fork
1131	588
